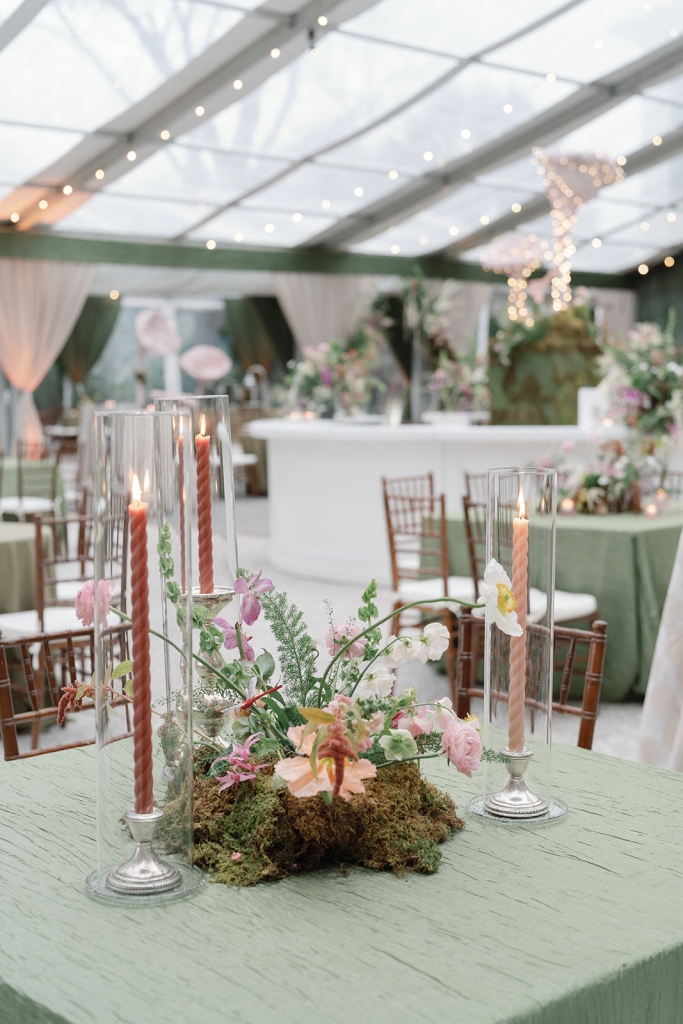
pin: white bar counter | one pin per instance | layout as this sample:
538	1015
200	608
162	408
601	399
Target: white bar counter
325	482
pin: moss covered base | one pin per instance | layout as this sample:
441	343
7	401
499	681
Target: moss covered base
396	826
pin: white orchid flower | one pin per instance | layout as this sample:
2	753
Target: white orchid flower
496	591
377	681
400	650
433	642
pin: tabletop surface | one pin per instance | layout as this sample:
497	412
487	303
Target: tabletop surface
11	533
577	922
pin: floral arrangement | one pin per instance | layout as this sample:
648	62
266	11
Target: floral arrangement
321	766
459	385
644	374
621	478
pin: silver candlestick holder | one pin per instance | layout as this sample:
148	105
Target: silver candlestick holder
516	800
143	873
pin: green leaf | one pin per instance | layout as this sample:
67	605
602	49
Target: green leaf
370	592
277	710
122	669
166	565
80	691
327	797
265	664
316	715
173	591
128	687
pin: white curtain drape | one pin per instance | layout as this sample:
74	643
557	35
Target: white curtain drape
40	301
324	307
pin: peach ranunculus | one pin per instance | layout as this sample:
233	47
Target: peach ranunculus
298	772
85	601
462	745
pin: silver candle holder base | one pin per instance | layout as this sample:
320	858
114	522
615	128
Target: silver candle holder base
143	873
516	800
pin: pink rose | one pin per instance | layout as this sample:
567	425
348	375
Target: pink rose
462	745
337	636
85	601
415	723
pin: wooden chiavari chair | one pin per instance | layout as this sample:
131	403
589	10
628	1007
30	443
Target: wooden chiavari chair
33	670
408	486
593	642
36	483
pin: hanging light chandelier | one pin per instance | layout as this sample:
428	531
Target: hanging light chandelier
516	255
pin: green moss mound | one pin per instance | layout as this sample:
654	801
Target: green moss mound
396	826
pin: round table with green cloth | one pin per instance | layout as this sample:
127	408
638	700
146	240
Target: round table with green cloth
18	566
577	922
31	470
626	561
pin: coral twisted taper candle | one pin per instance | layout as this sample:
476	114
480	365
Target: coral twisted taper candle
520	573
142	687
181	497
204	525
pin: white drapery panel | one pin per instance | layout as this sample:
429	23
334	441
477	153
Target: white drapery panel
40	301
324	307
661	729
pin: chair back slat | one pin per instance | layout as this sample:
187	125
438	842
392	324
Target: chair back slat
409	486
470	643
418	538
48	662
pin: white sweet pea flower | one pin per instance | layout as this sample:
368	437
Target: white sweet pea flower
496	591
377	681
400	651
433	642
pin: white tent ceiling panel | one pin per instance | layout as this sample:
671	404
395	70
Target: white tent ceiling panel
657	230
661	184
8	7
610	259
599	216
318	189
318	100
595	38
524	174
185	173
24	150
124	215
437	25
80	63
671	90
261	227
174	281
624	129
478	105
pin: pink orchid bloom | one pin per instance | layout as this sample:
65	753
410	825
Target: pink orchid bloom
243	768
230	634
337	636
251	607
85	601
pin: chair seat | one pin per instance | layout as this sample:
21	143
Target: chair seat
461	587
56	620
244	459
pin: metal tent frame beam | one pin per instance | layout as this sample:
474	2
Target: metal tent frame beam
584	105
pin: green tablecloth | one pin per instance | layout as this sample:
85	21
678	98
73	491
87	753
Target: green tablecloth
18	566
10	484
626	561
578	922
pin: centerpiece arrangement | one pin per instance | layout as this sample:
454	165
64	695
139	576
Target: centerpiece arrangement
459	385
624	477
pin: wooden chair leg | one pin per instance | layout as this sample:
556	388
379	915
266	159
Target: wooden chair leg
451	623
593	683
254	486
465	663
395	622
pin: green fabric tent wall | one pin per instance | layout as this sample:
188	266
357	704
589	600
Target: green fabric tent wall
86	342
259	333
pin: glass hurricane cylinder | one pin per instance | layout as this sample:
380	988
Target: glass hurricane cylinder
210	509
518	670
143	662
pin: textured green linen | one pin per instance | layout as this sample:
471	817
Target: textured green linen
574	923
626	561
10	484
18	566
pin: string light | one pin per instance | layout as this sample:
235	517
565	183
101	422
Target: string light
297	218
669	261
199	111
424	240
643	269
275	53
99	174
550	77
484	220
395	250
237	84
516	255
269	228
570	182
211	243
239	237
465	133
516	207
113	294
15	218
322	21
644	226
671	217
596	243
507	108
453	230
67	190
622	161
131	155
657	141
326	204
393	175
358	191
165	134
43	204
428	155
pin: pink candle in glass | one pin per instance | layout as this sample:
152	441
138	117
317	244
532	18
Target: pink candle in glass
520	575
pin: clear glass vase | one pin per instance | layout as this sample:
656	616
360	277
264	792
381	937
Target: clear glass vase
211	501
143	658
518	669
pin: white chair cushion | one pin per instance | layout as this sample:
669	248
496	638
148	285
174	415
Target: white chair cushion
27	506
569	606
461	587
56	620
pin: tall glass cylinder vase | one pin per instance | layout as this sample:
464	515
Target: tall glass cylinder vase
518	653
143	657
211	511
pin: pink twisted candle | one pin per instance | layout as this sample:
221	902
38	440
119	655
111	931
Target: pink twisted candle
204	525
142	687
520	561
181	487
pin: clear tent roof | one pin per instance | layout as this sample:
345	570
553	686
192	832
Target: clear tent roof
381	126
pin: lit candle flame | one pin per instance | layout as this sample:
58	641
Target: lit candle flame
135	488
521	504
202	425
